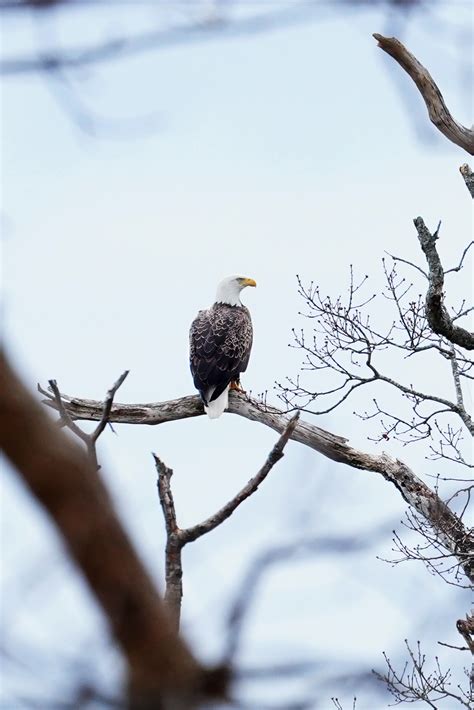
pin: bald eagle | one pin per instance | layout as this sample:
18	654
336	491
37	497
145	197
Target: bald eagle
220	341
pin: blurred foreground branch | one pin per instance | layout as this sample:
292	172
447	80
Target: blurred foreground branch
61	477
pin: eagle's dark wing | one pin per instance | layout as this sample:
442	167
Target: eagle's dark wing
220	343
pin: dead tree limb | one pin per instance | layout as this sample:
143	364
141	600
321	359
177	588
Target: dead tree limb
174	545
438	112
61	478
458	539
437	315
177	538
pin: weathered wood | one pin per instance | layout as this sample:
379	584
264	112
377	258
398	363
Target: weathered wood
438	112
437	315
452	533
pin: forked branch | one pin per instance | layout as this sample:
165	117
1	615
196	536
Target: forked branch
177	538
437	315
90	440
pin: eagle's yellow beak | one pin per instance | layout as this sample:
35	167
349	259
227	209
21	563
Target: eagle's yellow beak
249	282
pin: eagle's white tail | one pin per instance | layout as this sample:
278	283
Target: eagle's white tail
216	408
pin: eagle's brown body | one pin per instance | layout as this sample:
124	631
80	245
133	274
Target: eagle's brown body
220	344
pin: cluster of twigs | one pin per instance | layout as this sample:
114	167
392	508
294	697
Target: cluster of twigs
345	348
415	682
431	549
344	352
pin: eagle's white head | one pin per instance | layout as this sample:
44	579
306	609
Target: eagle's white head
228	291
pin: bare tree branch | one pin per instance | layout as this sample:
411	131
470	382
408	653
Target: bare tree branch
437	109
455	269
437	315
61	477
177	538
458	539
109	400
226	511
417	683
456	648
174	545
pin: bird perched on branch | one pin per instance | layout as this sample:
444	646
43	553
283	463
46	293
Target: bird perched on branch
220	341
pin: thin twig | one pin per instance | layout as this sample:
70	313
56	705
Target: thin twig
456	648
459	267
409	263
109	399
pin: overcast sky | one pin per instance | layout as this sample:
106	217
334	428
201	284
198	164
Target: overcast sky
296	151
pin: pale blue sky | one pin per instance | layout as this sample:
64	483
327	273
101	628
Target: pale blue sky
282	153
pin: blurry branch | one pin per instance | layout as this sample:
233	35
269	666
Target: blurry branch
197	30
468	177
61	478
208	21
454	535
247	595
274	557
437	315
65	92
416	683
437	109
177	538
